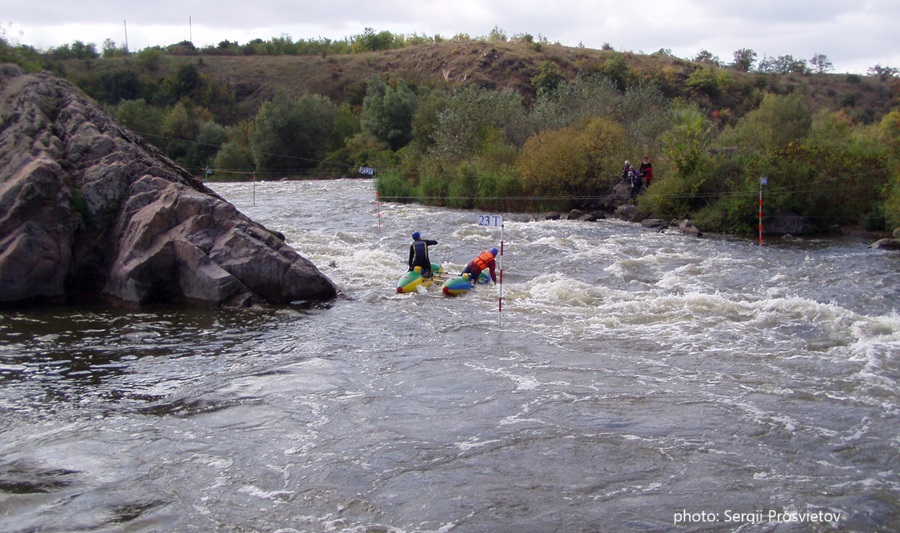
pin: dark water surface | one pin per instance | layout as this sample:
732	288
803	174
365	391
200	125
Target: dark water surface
636	381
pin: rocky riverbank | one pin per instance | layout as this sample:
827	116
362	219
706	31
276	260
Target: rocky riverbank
89	210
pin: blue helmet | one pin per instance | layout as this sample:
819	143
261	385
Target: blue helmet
494	252
416	235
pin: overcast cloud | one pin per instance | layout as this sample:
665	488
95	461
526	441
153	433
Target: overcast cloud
853	35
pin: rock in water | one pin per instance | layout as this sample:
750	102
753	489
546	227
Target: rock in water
88	209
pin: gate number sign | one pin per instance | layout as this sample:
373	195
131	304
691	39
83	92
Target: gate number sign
490	220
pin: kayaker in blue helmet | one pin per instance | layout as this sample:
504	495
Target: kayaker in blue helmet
418	254
485	261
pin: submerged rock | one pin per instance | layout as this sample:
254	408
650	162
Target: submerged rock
88	208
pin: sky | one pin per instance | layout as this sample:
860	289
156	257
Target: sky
854	35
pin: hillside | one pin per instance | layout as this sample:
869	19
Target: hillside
501	65
488	150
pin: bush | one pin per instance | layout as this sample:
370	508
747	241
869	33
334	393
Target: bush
570	167
463	187
892	203
392	187
499	188
736	213
432	189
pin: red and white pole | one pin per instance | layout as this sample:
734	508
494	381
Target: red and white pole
762	181
378	205
500	302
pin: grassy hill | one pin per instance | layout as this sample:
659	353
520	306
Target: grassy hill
504	65
470	149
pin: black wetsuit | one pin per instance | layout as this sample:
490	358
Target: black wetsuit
418	256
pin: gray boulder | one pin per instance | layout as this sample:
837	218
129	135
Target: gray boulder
687	227
578	214
628	213
88	209
654	223
886	244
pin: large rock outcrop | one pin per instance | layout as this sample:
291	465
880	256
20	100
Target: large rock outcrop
87	208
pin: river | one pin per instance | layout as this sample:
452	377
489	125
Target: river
635	380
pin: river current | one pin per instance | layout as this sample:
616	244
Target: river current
635	380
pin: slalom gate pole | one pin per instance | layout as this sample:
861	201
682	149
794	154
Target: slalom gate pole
762	181
500	301
496	220
378	206
254	189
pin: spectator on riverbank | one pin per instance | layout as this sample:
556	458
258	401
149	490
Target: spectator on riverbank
646	171
633	177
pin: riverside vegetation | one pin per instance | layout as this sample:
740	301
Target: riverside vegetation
515	124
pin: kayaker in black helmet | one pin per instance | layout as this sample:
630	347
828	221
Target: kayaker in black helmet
418	254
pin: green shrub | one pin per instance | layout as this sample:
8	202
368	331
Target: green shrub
500	189
392	187
432	190
874	220
463	187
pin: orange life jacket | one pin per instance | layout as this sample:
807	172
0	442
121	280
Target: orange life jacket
481	262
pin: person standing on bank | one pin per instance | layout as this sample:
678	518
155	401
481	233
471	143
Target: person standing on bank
646	171
633	177
418	254
485	261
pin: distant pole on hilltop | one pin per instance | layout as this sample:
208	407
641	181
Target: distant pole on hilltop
125	23
190	31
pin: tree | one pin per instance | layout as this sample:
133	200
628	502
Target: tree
590	95
185	81
575	162
884	73
387	112
143	119
705	56
210	138
425	121
292	135
645	114
783	65
149	59
683	188
12	52
471	116
548	79
117	85
370	41
76	50
497	34
820	63
777	121
181	126
346	123
686	143
889	137
744	59
708	80
235	157
617	69
110	49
